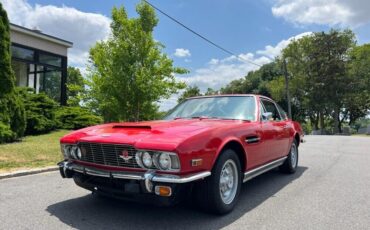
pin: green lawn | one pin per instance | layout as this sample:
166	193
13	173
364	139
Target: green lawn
31	152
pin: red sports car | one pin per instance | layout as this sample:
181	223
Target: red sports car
206	147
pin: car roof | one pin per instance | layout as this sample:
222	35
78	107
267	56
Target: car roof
230	95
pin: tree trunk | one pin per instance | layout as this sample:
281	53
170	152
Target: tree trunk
337	128
322	125
315	121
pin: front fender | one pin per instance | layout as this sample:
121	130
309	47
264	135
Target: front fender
231	140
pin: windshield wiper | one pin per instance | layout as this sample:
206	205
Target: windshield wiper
201	117
220	118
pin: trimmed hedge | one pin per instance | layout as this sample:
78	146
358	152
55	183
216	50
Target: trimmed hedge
76	118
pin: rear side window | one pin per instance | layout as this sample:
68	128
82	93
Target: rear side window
270	107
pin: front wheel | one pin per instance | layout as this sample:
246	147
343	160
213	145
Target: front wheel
291	163
219	192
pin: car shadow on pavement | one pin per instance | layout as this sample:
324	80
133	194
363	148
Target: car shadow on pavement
89	212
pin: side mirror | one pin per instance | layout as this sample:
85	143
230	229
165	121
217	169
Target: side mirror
267	116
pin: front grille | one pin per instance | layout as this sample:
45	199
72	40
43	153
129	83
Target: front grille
108	154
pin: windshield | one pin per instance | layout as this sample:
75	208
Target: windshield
223	107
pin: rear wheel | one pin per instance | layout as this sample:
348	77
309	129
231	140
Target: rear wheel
291	163
219	192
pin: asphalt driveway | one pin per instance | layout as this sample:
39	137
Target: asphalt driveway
331	190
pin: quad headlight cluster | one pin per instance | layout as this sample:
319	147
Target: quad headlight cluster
166	161
71	151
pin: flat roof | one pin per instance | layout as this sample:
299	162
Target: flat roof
41	35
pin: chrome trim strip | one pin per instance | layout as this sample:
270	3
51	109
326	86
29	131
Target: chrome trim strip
127	176
264	168
93	172
180	180
163	178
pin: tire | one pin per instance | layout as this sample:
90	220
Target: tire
209	195
291	163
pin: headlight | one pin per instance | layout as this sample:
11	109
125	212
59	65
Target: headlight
79	153
164	161
65	151
70	151
147	159
73	151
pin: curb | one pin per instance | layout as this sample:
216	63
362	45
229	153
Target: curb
28	172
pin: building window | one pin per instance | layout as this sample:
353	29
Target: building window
22	53
20	70
50	60
41	71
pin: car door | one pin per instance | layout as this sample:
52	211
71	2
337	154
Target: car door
287	130
274	131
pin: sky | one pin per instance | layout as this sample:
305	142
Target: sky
254	30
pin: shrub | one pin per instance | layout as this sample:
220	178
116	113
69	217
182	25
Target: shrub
40	112
12	114
6	134
76	118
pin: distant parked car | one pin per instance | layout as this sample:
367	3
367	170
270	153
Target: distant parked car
206	146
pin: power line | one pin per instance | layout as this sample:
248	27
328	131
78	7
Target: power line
201	36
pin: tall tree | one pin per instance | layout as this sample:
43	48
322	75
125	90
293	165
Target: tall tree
75	86
129	73
357	101
12	114
190	91
319	62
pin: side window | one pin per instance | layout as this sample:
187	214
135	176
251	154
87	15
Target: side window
282	112
262	110
271	108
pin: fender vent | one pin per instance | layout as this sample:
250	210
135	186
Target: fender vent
252	139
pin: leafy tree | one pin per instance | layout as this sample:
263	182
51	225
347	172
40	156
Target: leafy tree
75	86
357	101
235	87
190	91
12	115
319	62
129	73
211	91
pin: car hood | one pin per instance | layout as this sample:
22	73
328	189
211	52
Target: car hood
160	135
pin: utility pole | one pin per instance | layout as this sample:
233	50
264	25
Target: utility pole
287	88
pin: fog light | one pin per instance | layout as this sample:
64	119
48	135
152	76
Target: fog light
163	190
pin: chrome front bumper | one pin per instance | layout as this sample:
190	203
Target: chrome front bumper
149	176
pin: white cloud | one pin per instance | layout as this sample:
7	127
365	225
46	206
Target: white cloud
219	72
81	28
330	12
180	52
274	51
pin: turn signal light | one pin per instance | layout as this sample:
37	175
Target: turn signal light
196	162
163	190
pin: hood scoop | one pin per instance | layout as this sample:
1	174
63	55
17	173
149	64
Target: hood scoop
141	127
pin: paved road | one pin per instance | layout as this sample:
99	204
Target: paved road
331	190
